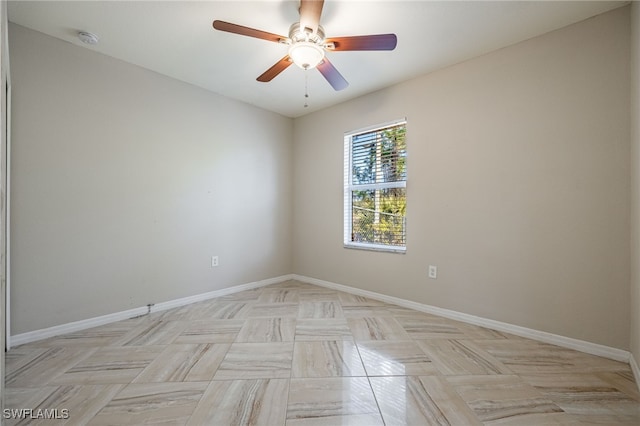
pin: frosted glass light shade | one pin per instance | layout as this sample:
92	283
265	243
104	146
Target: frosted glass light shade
306	55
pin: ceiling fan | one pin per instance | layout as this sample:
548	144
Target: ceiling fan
308	45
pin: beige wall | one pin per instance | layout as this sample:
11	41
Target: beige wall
635	182
125	182
518	185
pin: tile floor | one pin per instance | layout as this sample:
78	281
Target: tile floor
297	354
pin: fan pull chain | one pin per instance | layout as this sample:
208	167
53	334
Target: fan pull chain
306	88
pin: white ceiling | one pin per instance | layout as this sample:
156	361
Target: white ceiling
176	38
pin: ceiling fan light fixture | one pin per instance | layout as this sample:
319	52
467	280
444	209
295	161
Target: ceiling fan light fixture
306	55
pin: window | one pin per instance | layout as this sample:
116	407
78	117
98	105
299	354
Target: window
375	180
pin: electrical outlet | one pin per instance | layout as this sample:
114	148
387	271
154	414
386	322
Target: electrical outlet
433	272
214	261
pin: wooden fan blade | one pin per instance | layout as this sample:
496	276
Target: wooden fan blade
246	31
310	11
335	79
367	42
276	69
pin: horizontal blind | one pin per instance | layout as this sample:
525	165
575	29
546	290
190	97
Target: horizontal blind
379	156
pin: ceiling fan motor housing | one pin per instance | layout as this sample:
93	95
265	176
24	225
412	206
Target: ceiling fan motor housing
307	47
297	34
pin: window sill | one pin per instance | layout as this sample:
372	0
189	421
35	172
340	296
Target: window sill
374	247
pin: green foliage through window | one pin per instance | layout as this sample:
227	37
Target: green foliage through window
377	187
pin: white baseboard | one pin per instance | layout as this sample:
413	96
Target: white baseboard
567	342
45	333
635	369
218	293
542	336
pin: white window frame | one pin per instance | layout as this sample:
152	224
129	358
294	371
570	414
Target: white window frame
349	187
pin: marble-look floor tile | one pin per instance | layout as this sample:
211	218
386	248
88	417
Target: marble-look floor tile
317	294
395	358
153	332
45	367
323	309
92	337
426	327
596	363
26	397
256	361
20	356
228	310
364	311
112	364
601	420
326	359
424	317
293	285
281	295
528	356
377	328
322	329
476	332
585	394
81	402
273	310
420	400
267	330
348	299
185	363
623	381
461	357
210	331
200	310
246	296
332	401
504	399
152	403
243	402
294	353
173	314
400	311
